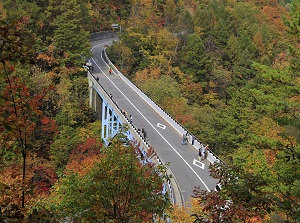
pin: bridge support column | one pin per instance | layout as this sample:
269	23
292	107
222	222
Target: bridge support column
101	104
110	122
91	90
95	101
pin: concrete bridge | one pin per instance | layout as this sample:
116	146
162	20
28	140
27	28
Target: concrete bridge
118	102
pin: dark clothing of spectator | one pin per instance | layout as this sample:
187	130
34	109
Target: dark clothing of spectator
193	139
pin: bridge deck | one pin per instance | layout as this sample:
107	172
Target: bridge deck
187	171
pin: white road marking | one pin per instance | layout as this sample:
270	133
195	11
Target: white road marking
148	120
198	164
161	126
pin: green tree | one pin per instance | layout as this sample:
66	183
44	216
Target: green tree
171	11
119	187
286	183
63	143
232	123
276	94
122	56
70	38
224	26
233	49
184	25
205	17
205	116
294	31
196	62
161	90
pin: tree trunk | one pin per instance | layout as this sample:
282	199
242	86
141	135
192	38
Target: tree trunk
24	174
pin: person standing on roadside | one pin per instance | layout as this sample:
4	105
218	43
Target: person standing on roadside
186	137
200	153
193	139
182	141
206	151
144	133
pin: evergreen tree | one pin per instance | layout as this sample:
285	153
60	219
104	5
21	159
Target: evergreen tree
70	38
232	50
224	25
293	25
196	62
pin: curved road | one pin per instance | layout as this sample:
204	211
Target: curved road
182	159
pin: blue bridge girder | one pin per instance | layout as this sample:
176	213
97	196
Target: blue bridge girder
112	120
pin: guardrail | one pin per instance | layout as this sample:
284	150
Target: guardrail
211	157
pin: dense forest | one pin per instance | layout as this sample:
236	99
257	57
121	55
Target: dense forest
227	70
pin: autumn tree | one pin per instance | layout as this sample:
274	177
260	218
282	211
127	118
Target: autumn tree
105	12
19	107
122	57
20	112
163	49
187	214
68	139
21	115
259	182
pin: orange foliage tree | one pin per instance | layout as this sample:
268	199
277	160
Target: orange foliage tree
83	157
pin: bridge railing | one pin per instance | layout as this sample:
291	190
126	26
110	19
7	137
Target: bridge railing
103	35
174	193
211	157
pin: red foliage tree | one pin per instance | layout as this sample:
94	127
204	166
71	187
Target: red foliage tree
20	113
44	132
82	158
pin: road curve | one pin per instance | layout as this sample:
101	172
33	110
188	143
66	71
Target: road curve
183	162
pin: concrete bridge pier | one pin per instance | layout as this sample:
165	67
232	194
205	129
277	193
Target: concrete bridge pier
96	100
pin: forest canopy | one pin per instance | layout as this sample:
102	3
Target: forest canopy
227	70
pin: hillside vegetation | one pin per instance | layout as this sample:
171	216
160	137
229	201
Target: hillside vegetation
227	70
